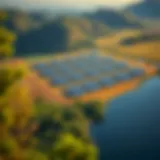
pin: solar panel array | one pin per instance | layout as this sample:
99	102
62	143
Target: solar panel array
86	73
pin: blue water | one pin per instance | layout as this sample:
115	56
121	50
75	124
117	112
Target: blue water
131	129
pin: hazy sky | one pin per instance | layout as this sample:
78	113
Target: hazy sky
67	3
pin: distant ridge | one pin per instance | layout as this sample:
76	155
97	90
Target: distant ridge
60	35
114	19
146	9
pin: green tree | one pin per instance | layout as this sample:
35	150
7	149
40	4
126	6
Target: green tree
32	154
8	77
69	147
93	110
15	114
7	39
8	148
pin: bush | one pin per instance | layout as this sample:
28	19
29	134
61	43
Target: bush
7	39
8	147
69	147
8	77
93	110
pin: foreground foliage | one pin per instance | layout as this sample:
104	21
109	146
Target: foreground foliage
7	39
35	130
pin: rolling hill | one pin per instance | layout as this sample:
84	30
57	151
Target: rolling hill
140	44
114	19
146	9
36	34
22	21
60	35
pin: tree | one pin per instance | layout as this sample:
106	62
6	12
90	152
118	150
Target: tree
70	148
15	114
3	15
8	77
35	155
7	39
8	148
93	110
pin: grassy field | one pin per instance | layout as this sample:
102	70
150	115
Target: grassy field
149	51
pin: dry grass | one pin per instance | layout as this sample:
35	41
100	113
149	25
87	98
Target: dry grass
145	50
35	85
40	88
115	37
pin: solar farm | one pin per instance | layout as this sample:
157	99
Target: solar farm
81	75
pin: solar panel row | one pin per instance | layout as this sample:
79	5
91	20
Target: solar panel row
101	83
137	72
77	75
87	87
83	60
80	69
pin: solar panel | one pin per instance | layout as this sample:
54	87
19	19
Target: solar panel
81	68
73	92
39	66
121	65
106	68
107	61
106	82
59	81
137	72
76	76
45	72
122	77
91	73
92	86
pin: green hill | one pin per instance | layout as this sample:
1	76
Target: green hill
60	35
36	34
115	19
132	44
146	9
23	21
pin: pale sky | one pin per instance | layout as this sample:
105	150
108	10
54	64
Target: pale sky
67	3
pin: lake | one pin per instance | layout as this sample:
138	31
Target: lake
131	128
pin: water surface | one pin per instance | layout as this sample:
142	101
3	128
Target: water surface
131	129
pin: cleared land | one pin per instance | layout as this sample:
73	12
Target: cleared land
41	87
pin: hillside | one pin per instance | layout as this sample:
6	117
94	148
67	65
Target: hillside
139	46
82	31
38	34
22	21
60	35
146	9
114	19
145	36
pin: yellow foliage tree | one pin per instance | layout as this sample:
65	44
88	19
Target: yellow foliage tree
71	148
7	39
3	15
15	114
